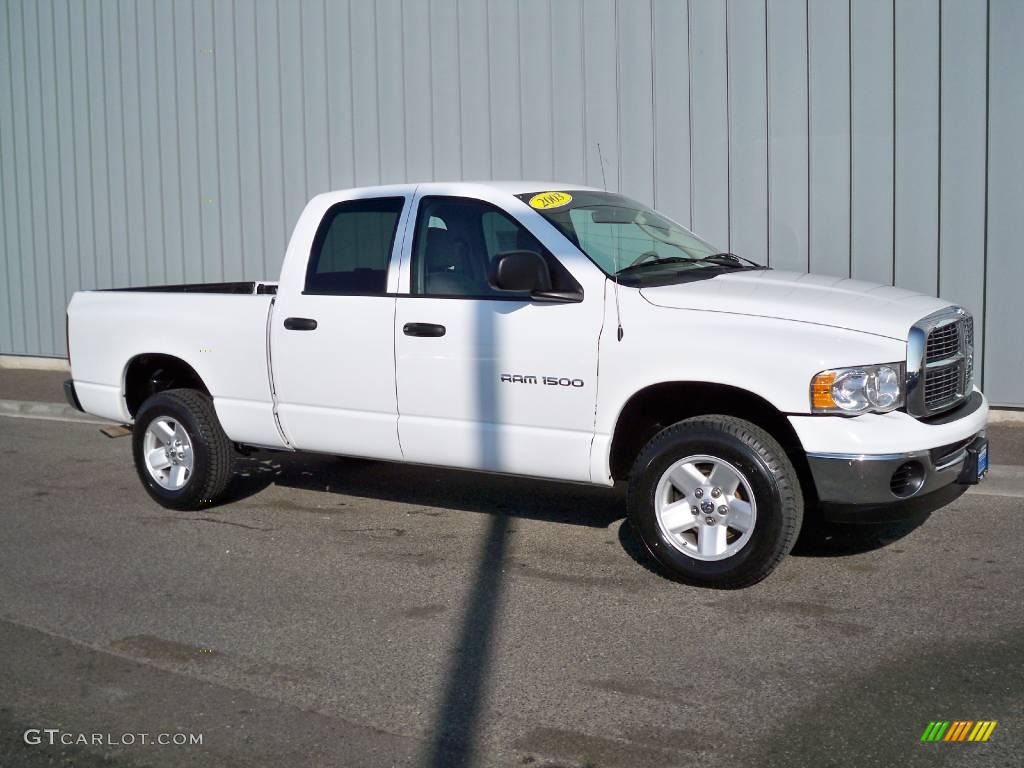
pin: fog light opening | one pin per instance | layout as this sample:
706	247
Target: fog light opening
907	479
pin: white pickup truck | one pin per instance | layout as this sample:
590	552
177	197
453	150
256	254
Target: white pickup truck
560	332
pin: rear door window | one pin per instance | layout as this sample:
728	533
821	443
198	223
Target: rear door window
352	247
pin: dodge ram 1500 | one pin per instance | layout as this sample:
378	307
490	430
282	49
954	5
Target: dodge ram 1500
552	331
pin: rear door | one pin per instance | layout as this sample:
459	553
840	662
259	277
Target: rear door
332	334
489	379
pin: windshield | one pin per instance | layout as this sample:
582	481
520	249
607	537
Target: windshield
628	239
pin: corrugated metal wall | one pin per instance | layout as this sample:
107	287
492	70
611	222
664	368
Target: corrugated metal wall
148	141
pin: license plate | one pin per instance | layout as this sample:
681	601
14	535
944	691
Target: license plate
982	461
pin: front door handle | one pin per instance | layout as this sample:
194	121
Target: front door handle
432	330
299	324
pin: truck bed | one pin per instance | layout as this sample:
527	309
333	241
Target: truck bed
219	329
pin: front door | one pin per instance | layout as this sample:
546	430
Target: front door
489	379
332	338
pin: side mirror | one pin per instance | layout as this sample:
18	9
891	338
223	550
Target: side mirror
520	271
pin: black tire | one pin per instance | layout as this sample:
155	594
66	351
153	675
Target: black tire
212	452
770	474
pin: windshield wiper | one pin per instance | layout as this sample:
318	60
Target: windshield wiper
655	263
732	260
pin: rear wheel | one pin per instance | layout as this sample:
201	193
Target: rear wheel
182	455
716	501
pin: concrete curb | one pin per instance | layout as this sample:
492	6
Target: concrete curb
21	409
1006	416
25	363
1002	480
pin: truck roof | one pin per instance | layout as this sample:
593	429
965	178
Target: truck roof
468	187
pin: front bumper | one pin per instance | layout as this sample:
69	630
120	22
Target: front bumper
872	485
887	487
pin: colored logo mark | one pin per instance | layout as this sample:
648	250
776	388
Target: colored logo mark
958	730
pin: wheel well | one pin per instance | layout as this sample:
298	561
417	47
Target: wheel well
148	374
652	409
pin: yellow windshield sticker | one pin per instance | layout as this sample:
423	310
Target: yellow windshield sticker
546	200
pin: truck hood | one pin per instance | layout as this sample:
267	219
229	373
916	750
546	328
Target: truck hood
833	301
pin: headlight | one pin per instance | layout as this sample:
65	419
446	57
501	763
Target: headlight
864	389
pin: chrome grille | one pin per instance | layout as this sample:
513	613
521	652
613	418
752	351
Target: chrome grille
942	386
943	342
940	361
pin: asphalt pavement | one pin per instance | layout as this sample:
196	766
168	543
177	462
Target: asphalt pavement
354	613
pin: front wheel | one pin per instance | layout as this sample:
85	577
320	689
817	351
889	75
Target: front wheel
182	455
716	501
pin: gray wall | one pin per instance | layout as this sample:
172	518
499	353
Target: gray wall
152	142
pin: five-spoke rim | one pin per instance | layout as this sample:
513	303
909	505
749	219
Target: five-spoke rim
705	507
167	449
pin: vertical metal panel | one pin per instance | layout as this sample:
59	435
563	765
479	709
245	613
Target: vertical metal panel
709	121
391	102
292	107
535	77
133	212
167	142
248	186
787	135
1004	353
871	98
567	86
636	101
474	93
748	130
828	25
27	246
183	37
14	318
271	160
506	96
672	108
444	69
37	179
847	135
963	114
917	145
51	168
81	154
117	201
211	203
341	154
226	135
63	116
416	88
600	45
315	98
154	218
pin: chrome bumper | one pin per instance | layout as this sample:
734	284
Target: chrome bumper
851	479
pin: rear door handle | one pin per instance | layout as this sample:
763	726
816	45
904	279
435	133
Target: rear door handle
299	324
423	329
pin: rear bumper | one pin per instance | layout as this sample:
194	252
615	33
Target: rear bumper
71	396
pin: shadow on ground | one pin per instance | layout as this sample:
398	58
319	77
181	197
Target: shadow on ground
821	539
424	486
573	504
